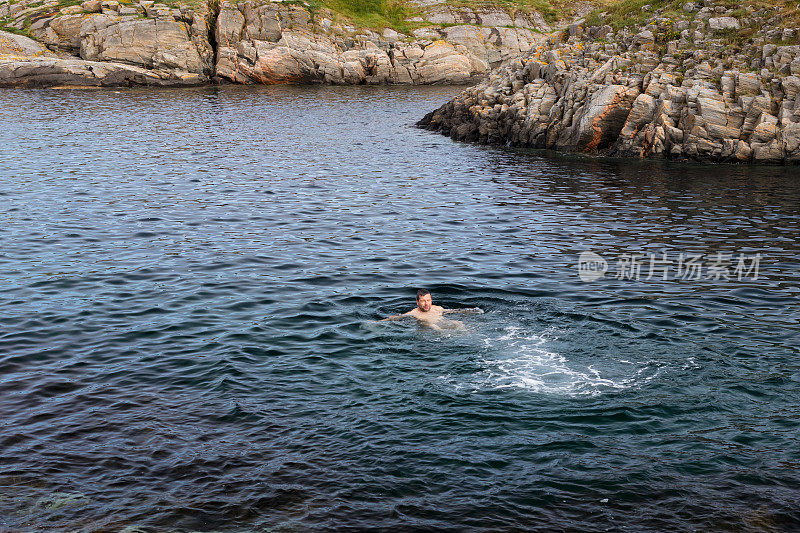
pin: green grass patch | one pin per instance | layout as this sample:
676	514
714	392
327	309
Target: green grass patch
65	3
735	38
197	5
395	14
6	25
629	13
551	13
375	14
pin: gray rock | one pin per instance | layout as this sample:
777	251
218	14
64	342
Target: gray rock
76	72
723	23
559	97
15	47
272	43
63	32
644	37
704	14
91	6
154	44
24	62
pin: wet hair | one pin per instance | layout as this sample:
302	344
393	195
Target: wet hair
422	292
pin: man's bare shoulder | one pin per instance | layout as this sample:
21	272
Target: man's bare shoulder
437	308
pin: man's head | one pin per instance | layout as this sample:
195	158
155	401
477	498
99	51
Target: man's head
424	300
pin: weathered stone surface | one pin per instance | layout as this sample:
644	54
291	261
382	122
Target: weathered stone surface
723	23
175	46
25	62
273	43
149	43
92	6
597	124
71	10
560	96
260	41
747	84
18	48
641	114
483	16
76	72
766	129
63	32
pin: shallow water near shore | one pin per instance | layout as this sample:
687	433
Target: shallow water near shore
188	337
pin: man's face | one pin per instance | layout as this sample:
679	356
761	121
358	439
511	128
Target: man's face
424	303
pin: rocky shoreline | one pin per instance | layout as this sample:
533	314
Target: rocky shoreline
108	43
709	83
686	89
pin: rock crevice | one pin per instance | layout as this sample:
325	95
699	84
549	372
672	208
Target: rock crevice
246	42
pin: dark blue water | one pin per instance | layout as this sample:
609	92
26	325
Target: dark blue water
188	340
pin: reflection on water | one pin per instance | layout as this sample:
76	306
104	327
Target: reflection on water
191	283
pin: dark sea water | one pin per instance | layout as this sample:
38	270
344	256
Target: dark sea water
188	341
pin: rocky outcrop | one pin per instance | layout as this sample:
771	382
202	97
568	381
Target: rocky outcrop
645	93
251	42
150	43
106	43
441	12
274	43
25	62
79	73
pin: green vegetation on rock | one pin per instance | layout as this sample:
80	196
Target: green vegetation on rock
373	13
633	13
551	13
397	14
6	24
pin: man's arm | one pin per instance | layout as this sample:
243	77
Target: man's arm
395	317
465	310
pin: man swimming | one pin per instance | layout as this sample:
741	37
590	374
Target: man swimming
431	315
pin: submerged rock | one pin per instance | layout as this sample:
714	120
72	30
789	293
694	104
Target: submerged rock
58	500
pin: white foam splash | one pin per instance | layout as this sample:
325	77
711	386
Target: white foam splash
517	359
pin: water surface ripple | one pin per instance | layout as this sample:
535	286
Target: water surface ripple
188	341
